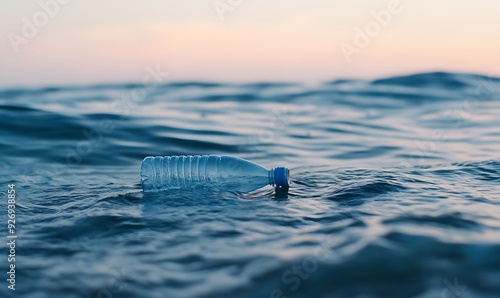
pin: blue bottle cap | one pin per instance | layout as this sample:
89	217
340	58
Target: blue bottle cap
281	176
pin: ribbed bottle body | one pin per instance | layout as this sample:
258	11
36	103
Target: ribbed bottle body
222	172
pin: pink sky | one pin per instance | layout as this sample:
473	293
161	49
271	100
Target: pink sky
87	42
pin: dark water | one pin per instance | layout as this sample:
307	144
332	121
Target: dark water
395	189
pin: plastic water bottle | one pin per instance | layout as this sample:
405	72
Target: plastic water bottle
214	171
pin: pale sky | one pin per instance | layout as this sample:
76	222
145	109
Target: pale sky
92	42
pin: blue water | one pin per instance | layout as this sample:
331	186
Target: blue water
395	189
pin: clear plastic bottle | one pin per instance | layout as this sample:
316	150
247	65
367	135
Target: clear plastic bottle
215	171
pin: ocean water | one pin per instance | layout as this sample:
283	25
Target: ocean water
395	189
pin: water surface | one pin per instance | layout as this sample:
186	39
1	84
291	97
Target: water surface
395	189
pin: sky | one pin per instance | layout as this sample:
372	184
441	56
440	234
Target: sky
77	42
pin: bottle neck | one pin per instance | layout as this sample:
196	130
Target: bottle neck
270	174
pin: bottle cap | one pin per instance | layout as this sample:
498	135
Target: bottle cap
281	176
